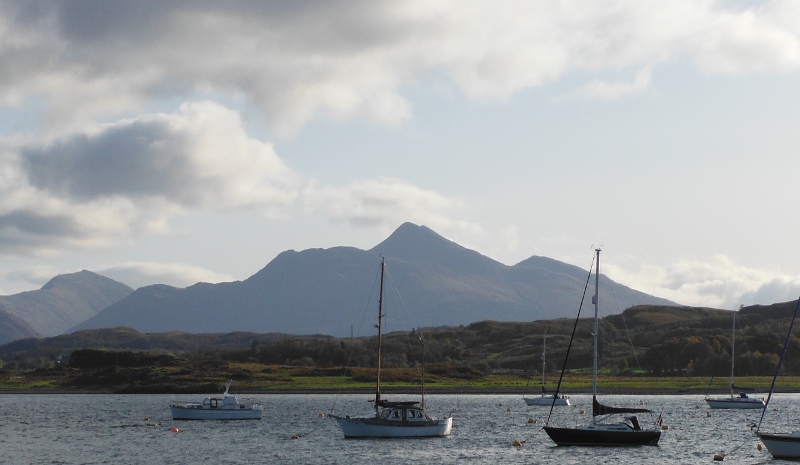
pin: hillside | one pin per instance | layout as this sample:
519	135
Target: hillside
13	327
432	281
644	340
63	302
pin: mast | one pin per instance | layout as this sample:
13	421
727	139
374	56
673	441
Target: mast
544	349
380	320
733	346
595	300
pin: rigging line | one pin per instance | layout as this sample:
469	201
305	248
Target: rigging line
530	376
627	330
407	315
574	328
746	349
778	368
353	346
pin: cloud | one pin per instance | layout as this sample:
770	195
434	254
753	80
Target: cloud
123	178
199	157
32	277
718	282
347	59
605	90
129	177
388	202
138	274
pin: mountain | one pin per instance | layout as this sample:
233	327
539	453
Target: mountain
63	302
13	327
431	281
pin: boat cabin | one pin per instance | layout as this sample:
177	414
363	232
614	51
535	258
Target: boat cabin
403	414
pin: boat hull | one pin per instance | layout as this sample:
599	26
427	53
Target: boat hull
546	401
735	403
602	437
782	446
182	413
378	428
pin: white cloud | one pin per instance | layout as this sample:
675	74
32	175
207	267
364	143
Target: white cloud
389	202
31	277
129	177
350	59
126	177
717	282
138	274
605	90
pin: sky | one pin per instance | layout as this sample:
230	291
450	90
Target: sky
186	141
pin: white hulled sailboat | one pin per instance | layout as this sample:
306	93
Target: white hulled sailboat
392	419
742	400
547	398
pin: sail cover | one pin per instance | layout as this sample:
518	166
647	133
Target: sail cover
741	388
600	409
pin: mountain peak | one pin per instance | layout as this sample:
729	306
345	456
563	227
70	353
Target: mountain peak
411	242
80	278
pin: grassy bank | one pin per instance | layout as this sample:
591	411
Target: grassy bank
257	378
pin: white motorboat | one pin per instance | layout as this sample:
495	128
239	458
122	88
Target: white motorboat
227	407
547	398
742	401
405	419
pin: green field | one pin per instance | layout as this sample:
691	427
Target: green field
254	377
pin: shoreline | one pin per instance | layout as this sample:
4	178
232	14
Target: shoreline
403	391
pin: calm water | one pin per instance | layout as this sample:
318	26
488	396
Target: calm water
111	429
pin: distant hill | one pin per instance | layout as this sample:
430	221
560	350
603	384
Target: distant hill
63	302
13	327
432	282
647	340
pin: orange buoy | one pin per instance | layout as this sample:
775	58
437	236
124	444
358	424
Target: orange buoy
294	436
321	415
759	447
174	429
516	443
531	420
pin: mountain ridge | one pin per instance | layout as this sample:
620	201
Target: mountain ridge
63	302
435	282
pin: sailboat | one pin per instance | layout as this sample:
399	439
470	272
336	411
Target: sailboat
622	433
742	400
781	445
393	419
547	398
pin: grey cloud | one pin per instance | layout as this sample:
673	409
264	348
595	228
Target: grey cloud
774	291
301	60
23	231
137	159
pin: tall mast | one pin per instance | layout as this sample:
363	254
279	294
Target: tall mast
596	301
380	320
733	345
544	349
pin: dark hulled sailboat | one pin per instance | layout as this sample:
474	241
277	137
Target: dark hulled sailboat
627	432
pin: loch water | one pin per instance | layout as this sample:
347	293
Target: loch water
137	429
